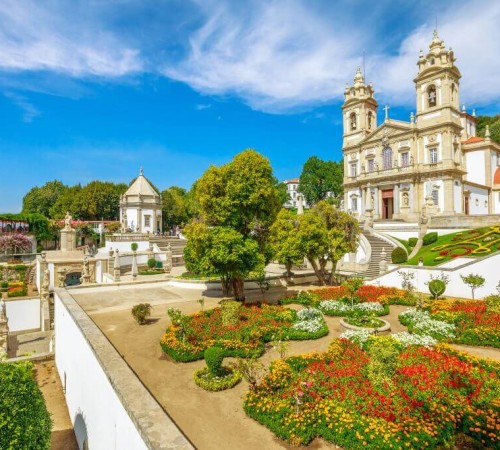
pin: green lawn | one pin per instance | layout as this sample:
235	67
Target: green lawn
472	243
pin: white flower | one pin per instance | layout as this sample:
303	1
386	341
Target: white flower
369	307
334	306
407	339
310	326
422	323
309	314
357	336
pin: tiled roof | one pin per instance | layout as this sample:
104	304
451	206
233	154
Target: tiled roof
295	180
473	140
496	178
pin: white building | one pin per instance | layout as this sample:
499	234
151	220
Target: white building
292	187
140	207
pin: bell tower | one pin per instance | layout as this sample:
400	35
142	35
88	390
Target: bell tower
437	86
359	111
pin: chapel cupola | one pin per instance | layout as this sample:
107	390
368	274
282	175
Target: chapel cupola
359	110
437	85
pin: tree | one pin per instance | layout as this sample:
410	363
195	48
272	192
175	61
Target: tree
68	201
175	207
325	234
493	122
224	252
473	281
245	197
40	199
14	242
100	200
320	179
283	240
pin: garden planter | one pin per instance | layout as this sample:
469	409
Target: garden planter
385	327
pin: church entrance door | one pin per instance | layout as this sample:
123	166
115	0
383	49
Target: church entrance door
466	205
387	204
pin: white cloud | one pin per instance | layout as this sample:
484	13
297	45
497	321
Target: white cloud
28	109
202	106
60	38
284	56
275	55
473	33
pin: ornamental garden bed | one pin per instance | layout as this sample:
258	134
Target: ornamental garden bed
187	338
385	396
470	322
472	243
371	324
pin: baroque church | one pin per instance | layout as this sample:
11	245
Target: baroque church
432	165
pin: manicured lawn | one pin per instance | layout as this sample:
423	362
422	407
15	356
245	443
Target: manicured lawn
471	243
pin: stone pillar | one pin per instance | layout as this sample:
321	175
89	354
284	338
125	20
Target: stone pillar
396	205
168	262
111	262
134	266
43	266
448	208
4	331
116	268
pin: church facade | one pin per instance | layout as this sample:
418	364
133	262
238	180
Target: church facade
433	164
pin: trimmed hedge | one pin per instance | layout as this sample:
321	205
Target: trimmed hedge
399	255
24	420
228	379
430	238
412	242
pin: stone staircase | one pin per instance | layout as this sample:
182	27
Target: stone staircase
377	245
30	276
177	246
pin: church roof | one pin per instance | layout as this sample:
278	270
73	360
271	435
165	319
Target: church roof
141	185
496	178
473	140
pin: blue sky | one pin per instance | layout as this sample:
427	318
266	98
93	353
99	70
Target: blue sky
95	89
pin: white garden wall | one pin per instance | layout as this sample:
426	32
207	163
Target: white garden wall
23	314
106	402
486	267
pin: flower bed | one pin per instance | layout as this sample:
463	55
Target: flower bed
421	322
475	324
343	309
256	325
433	394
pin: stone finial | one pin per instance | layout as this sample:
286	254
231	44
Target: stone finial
116	266
412	118
141	172
487	132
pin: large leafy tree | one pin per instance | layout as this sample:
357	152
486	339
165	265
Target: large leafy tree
320	179
40	199
493	122
224	252
100	200
68	201
324	235
244	196
283	240
175	207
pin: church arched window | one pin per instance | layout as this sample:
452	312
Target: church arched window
370	120
353	121
431	96
387	158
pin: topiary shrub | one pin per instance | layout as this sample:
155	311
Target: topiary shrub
213	358
412	242
430	238
230	312
134	246
159	264
399	256
436	288
24	420
214	377
141	312
151	263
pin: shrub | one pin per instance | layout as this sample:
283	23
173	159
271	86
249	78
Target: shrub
4	284
351	285
24	419
141	312
151	263
134	246
430	238
493	303
230	310
229	379
384	352
253	370
436	288
412	242
399	256
159	264
213	358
